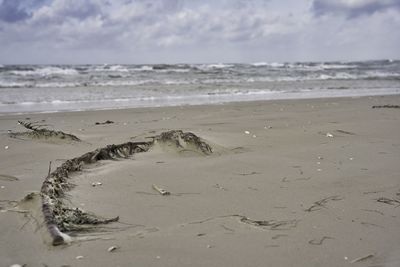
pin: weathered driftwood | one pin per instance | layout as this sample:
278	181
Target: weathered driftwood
59	217
39	132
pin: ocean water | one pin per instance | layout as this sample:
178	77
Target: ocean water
52	88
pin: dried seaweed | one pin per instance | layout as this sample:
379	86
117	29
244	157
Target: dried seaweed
271	224
320	241
388	201
102	123
182	139
59	217
345	132
38	131
321	203
386	106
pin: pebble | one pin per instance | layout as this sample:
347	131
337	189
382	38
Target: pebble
329	135
2	187
16	265
246	132
79	257
6	147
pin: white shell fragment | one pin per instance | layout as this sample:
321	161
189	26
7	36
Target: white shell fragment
16	265
6	147
96	184
246	132
79	257
112	248
329	135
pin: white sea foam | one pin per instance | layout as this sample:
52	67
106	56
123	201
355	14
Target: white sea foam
214	66
46	71
6	84
265	64
143	68
55	88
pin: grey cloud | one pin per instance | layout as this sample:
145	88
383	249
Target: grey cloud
137	31
352	8
11	11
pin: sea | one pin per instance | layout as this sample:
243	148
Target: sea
55	88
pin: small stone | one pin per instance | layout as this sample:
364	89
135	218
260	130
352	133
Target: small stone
79	257
16	265
246	132
6	147
254	136
2	187
329	135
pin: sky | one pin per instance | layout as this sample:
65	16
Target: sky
197	31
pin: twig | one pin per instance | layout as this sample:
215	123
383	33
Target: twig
362	258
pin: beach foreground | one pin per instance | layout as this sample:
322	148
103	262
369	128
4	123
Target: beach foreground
312	182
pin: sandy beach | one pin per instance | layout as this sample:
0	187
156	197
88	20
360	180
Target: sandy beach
311	182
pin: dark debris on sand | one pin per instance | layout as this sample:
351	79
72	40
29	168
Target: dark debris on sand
59	217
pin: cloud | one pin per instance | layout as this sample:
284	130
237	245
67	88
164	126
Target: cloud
353	8
137	31
11	11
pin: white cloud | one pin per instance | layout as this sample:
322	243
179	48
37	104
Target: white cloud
353	8
135	31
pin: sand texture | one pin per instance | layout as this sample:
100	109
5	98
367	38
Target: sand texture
288	183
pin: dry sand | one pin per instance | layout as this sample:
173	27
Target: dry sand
274	161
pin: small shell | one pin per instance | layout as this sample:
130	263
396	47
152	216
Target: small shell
112	248
329	135
6	147
246	132
79	257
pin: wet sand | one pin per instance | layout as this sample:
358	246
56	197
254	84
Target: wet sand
290	183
